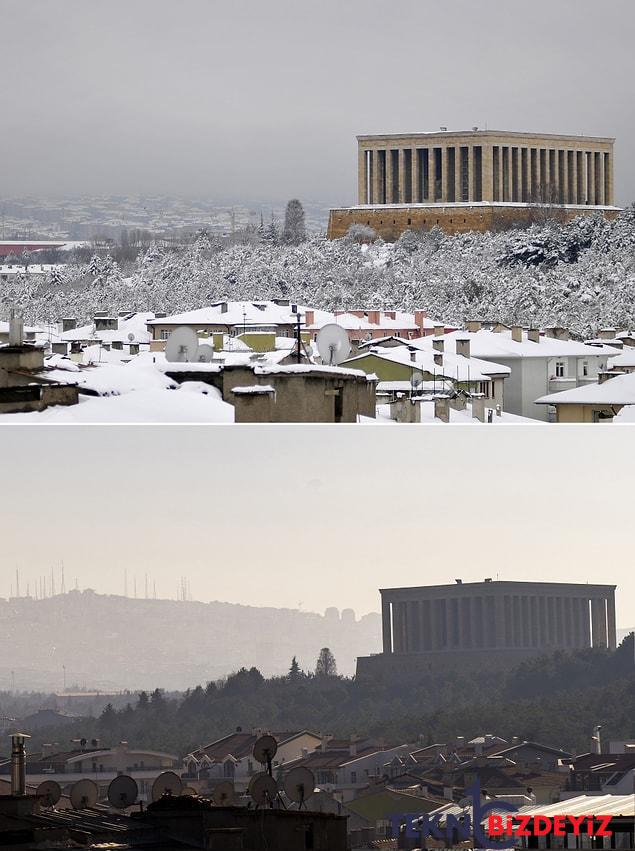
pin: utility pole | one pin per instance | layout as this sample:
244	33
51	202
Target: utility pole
298	355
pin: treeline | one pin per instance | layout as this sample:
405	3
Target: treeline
555	699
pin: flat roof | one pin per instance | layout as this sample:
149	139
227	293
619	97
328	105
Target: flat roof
484	134
500	585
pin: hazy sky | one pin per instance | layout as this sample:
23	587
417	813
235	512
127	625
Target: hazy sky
317	515
262	99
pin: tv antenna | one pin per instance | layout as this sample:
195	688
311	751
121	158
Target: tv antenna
223	794
333	344
167	783
122	792
50	792
181	346
416	381
263	789
84	794
298	785
264	751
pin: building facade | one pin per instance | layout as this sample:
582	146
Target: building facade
491	622
475	180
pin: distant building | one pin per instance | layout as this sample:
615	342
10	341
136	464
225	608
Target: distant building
594	403
495	623
475	180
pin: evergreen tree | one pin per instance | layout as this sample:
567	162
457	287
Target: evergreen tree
325	665
294	231
294	670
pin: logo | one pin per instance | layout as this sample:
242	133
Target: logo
490	827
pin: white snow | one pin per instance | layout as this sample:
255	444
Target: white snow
614	391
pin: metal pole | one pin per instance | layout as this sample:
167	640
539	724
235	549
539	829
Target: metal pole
299	339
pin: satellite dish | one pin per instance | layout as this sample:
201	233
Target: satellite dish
188	791
50	792
223	794
263	789
204	353
130	337
167	783
123	791
299	784
333	344
416	380
84	794
181	345
265	749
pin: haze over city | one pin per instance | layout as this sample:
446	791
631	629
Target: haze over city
325	522
244	100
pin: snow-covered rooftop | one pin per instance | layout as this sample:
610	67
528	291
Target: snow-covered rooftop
614	391
492	344
454	366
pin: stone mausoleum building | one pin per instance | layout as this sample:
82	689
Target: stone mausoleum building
491	623
475	180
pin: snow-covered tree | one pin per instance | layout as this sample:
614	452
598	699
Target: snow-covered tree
294	231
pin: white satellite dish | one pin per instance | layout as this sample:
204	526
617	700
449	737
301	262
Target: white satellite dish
299	784
167	783
333	344
50	792
130	337
223	794
188	792
265	749
204	353
181	345
84	794
263	789
123	791
416	380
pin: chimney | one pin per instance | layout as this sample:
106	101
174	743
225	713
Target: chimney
517	334
442	408
309	317
160	314
105	323
68	323
596	742
224	307
16	331
606	333
413	356
352	747
463	347
438	358
605	375
473	325
478	407
438	345
373	317
533	335
438	330
420	315
18	763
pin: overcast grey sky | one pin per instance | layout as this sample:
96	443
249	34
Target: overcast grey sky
317	515
262	99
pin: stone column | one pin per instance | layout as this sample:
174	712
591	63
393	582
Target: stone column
362	191
458	182
568	634
431	176
598	622
487	154
389	177
499	621
445	173
610	625
574	188
600	176
500	194
552	621
397	627
591	177
535	623
563	177
518	195
471	182
386	626
416	177
376	185
611	195
510	174
402	177
586	623
434	624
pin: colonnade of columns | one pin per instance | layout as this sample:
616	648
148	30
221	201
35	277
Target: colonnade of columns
497	621
484	172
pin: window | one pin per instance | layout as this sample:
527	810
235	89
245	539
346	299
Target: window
585	368
164	334
353	777
559	369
